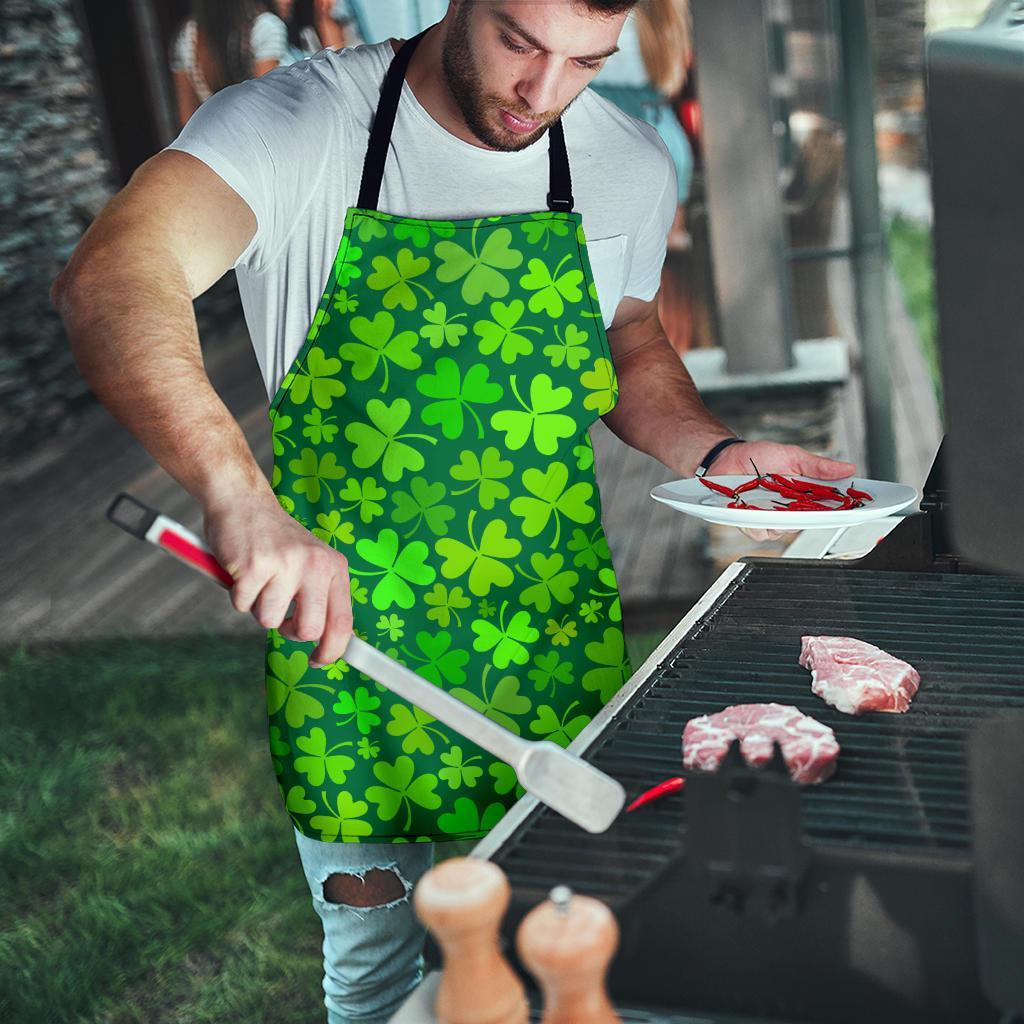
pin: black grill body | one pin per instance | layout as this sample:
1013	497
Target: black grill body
844	902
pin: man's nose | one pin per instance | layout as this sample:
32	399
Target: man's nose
539	89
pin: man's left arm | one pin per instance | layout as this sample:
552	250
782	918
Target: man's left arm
660	412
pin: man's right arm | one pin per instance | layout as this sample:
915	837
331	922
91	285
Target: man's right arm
126	301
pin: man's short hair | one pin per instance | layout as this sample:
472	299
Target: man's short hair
608	7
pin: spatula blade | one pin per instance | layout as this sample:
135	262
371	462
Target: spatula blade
574	788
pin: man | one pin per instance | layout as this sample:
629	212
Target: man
433	471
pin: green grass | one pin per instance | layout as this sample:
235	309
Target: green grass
910	247
148	869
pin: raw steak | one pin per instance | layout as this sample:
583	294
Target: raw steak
855	677
808	747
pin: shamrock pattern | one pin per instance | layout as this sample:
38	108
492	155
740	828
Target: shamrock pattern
434	430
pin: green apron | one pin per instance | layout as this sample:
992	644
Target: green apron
433	429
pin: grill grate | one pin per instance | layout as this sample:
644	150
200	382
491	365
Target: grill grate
901	785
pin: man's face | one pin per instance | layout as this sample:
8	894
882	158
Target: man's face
513	66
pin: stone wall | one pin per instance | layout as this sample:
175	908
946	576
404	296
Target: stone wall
54	178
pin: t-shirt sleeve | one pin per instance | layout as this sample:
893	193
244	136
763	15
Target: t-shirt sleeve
269	140
649	251
269	38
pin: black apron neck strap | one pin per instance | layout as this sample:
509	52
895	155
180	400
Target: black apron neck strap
559	186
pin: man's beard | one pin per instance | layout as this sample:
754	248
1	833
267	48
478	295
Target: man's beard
465	84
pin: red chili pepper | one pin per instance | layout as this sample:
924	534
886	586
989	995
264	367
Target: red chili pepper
718	488
862	495
750	485
809	487
806	505
657	792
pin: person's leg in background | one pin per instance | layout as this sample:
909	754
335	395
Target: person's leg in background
373	943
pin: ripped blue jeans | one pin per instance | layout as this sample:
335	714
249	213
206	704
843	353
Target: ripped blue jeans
373	956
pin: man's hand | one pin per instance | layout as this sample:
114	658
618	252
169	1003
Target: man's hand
771	457
274	560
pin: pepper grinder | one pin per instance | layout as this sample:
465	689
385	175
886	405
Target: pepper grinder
567	943
462	902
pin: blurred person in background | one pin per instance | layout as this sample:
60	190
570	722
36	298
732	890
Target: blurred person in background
221	43
313	25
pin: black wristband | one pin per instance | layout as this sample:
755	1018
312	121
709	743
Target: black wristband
705	463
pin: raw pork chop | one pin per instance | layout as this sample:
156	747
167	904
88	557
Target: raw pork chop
808	747
855	677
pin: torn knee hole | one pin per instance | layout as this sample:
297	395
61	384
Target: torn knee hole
376	888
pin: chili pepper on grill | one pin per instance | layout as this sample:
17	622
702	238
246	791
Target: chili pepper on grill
657	792
718	488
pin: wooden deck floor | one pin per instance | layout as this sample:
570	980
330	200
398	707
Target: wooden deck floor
69	573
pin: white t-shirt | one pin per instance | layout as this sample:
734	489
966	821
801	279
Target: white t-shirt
292	143
268	40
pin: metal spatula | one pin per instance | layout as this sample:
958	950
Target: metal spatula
564	782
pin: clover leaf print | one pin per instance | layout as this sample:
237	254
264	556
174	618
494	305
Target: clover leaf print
297	802
370	228
419	233
424	503
506	642
479	269
544	226
551	497
453	394
571	350
590	549
383	441
337	669
505	778
364	495
344	819
584	453
360	594
318	429
561	630
378	345
279	747
602	384
319	761
606	576
397	566
331	530
502	334
483	560
552	580
465	818
539	419
441	328
561	730
486	472
551	288
316	377
549	671
459	770
590	611
345	303
504	702
398	279
445	604
366	749
485	609
278	436
402	788
414	724
437	661
285	688
359	706
312	473
392	626
610	655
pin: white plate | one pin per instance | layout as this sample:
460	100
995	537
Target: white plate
693	498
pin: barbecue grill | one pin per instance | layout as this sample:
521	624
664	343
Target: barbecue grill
748	896
895	890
